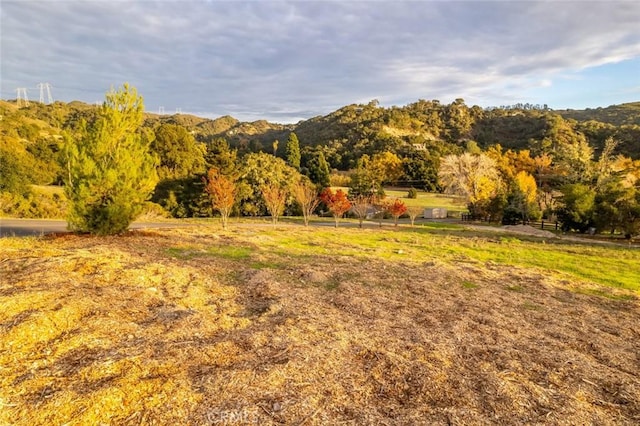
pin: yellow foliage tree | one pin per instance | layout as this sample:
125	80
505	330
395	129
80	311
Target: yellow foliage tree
475	177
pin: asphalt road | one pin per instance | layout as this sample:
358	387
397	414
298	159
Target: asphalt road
30	227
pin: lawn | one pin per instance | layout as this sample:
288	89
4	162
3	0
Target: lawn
429	199
436	324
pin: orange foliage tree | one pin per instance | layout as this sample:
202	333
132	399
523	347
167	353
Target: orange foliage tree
337	202
396	208
222	192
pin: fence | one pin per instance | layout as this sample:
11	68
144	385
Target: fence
549	225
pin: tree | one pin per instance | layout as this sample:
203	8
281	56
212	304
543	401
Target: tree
257	171
319	170
111	172
473	176
387	167
293	151
337	203
574	161
396	208
578	201
222	193
15	174
525	193
360	206
363	179
307	196
275	198
414	212
180	155
221	157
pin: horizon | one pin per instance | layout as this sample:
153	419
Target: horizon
289	61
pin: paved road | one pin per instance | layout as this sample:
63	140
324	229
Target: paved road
26	227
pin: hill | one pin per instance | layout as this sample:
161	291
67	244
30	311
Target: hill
291	325
617	115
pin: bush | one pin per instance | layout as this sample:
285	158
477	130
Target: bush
33	205
413	193
339	179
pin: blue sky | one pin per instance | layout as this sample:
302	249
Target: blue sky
286	61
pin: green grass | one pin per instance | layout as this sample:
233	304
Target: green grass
469	284
615	267
224	252
429	200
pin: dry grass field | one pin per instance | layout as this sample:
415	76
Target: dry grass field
297	326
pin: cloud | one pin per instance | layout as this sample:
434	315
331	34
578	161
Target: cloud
290	60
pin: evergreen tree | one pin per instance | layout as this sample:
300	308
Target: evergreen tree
180	155
293	151
319	170
110	170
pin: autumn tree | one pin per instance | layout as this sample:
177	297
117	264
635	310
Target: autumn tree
521	200
306	195
292	151
337	203
275	198
111	171
222	193
473	176
386	167
396	208
414	212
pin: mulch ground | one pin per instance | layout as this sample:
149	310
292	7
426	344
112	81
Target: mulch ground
124	330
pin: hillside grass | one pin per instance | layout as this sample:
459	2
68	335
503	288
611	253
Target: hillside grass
262	324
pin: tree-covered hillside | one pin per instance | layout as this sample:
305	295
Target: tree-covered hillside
520	161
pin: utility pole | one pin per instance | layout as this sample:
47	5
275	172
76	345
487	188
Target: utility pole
42	87
22	99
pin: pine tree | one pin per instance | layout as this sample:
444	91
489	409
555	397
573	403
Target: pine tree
319	170
110	170
293	151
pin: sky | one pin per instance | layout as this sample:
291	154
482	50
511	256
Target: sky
286	61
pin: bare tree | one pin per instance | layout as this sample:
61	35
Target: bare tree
306	195
222	192
360	206
275	198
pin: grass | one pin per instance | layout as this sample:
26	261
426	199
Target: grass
295	325
429	200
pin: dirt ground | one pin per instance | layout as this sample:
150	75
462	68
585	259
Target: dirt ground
149	329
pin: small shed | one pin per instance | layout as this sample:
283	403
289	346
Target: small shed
435	213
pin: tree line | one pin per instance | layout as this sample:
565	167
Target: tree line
546	166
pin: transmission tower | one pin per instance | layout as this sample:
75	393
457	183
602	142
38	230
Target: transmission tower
42	87
178	110
161	110
22	99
